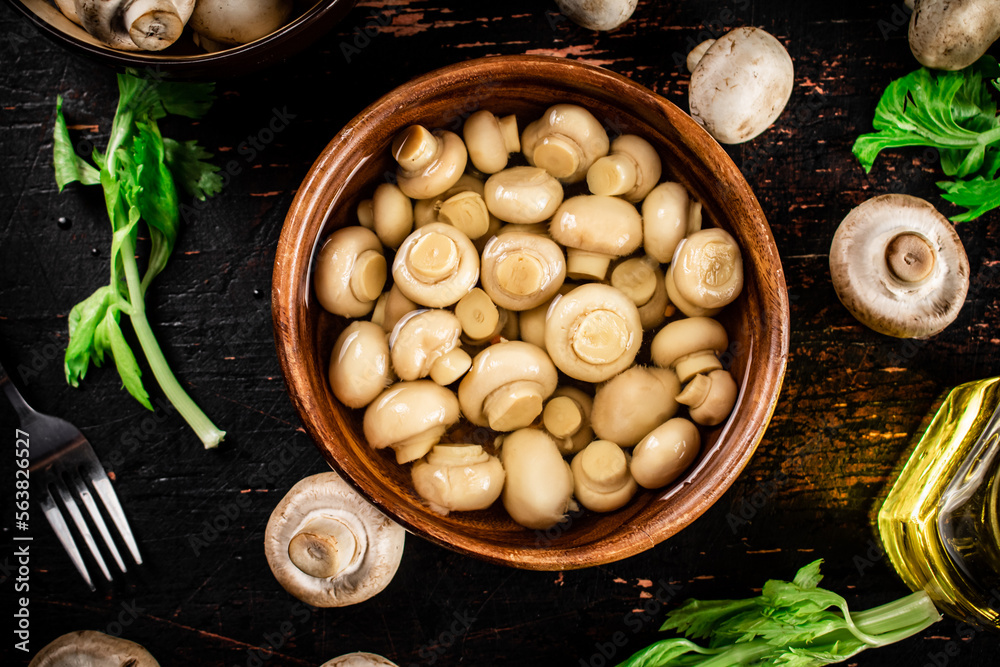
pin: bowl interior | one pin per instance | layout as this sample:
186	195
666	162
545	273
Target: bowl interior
358	159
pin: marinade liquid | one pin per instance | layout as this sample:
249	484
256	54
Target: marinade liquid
939	522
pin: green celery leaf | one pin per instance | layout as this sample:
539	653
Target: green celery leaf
83	321
824	654
978	195
69	166
809	575
156	199
698	618
188	163
187	99
128	368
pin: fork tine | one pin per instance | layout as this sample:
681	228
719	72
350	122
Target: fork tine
58	524
102	485
81	525
95	514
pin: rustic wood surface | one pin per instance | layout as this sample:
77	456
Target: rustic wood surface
851	403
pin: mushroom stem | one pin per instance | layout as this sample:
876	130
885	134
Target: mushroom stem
586	265
612	175
600	337
415	148
467	212
153	24
415	447
368	275
451	366
695	392
910	257
562	417
478	314
324	548
701	362
513	405
433	257
604	466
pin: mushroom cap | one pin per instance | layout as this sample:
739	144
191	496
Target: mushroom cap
597	223
436	265
89	648
707	269
678	341
665	453
870	253
710	398
359	659
458	478
593	332
953	34
520	270
392	214
741	85
391	307
379	542
633	403
523	195
420	338
490	140
511	372
539	487
231	22
565	142
665	212
359	365
598	14
350	271
410	413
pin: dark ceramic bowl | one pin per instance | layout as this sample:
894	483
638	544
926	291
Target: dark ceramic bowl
347	171
185	60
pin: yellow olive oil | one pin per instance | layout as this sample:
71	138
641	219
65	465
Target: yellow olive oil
939	522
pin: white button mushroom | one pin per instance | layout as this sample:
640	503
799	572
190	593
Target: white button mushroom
690	346
467	212
565	141
350	272
741	85
426	211
595	229
239	21
390	307
710	398
665	453
598	14
566	418
458	478
899	266
538	491
359	366
490	140
359	659
668	215
425	343
410	417
642	280
601	479
707	270
436	265
953	34
521	271
507	385
139	25
429	163
631	170
633	403
523	195
327	546
89	648
392	214
593	332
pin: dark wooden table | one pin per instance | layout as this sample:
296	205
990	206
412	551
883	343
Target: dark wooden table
851	402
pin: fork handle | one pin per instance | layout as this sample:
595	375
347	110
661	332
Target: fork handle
21	406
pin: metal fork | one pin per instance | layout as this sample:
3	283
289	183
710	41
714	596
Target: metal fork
62	460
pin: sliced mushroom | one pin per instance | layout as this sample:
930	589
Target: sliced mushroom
666	220
523	195
391	307
631	169
710	398
566	418
565	141
521	271
429	163
89	648
595	229
953	34
665	453
436	265
630	405
507	385
601	479
359	659
707	269
538	491
490	140
140	25
239	21
359	366
899	266
392	214
593	332
690	346
410	417
642	280
458	478
327	546
425	343
741	85
350	272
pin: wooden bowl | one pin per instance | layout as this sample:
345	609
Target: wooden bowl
358	159
184	59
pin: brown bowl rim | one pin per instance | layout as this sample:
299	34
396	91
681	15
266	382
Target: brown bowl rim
290	323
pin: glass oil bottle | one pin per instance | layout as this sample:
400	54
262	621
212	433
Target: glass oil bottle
939	522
